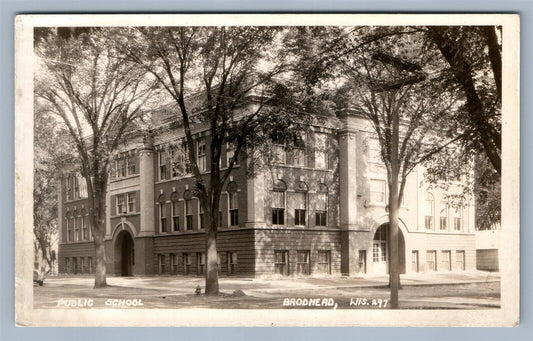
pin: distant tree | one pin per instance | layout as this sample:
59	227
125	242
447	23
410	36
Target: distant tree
239	77
52	150
97	97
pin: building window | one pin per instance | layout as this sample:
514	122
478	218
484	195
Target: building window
174	263
379	252
298	157
121	168
362	261
163	161
80	187
90	227
414	261
82	265
121	207
429	209
443	216
324	262
298	153
460	259
188	215
67	265
377	191
132	163
78	228
300	208
202	158
131	202
321	211
278	208
200	257
230	152
70	229
175	217
302	262
233	209
321	156
446	260
178	160
232	263
201	215
76	186
281	262
161	263
431	260
279	154
85	228
186	263
90	264
457	219
163	214
68	187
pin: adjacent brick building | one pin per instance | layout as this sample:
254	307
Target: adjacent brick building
318	210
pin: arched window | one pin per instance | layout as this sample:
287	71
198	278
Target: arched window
278	202
429	210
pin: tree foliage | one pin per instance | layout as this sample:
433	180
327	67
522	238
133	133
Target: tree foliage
474	56
52	150
234	81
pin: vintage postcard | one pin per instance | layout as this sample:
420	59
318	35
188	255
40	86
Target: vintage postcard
267	170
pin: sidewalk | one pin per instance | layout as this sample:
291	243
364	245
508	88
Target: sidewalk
275	284
464	290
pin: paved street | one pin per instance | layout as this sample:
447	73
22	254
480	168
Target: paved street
465	290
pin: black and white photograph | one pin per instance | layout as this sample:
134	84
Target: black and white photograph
315	170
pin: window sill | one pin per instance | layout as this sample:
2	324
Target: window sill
78	241
125	178
75	200
283	165
190	175
129	214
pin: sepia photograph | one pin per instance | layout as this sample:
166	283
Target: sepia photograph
267	170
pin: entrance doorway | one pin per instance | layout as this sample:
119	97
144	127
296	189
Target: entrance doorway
381	250
124	254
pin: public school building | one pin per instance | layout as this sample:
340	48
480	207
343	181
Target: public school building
316	211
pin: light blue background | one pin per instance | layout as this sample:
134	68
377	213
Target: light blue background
9	8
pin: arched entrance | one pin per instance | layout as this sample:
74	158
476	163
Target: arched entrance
381	250
124	254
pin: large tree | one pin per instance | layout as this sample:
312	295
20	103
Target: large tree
400	86
97	97
237	76
473	54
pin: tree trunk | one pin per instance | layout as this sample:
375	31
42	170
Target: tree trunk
100	271
394	262
211	273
